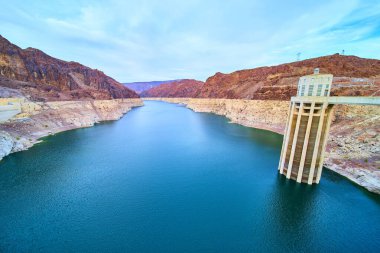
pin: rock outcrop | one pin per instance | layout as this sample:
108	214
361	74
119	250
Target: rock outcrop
39	119
353	147
6	144
181	88
41	77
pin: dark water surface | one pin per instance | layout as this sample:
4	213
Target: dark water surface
166	179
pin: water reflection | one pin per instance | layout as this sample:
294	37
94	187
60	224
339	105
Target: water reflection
263	138
260	137
289	215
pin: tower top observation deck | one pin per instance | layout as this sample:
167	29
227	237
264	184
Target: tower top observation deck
317	84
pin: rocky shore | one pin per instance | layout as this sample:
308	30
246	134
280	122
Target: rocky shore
353	148
39	119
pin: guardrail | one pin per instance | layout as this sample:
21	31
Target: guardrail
340	100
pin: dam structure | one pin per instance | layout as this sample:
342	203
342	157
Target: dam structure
308	125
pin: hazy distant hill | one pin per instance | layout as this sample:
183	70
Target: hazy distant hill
181	88
143	86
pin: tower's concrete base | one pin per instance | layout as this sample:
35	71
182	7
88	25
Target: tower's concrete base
305	140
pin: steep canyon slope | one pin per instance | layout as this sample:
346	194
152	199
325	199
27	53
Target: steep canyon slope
40	77
353	76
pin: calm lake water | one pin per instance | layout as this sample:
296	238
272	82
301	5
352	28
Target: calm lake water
166	179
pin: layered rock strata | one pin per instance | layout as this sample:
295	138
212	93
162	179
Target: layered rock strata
353	76
39	119
40	77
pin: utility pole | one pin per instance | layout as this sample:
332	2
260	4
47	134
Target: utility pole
298	56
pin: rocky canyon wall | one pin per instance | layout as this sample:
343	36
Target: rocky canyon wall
39	119
40	77
353	76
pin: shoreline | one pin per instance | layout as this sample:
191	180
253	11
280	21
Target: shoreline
42	119
350	152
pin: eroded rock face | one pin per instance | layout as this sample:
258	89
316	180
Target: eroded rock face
353	147
44	78
39	119
181	88
353	76
6	144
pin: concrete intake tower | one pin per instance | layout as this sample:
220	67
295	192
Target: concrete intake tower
307	130
308	127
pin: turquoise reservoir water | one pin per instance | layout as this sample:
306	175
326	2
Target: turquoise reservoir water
166	179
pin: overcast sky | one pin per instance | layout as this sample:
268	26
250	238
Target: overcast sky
159	40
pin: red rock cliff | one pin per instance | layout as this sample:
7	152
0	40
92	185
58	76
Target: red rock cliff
352	76
43	77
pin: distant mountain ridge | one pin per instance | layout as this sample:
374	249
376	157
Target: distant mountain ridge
181	88
139	87
42	77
